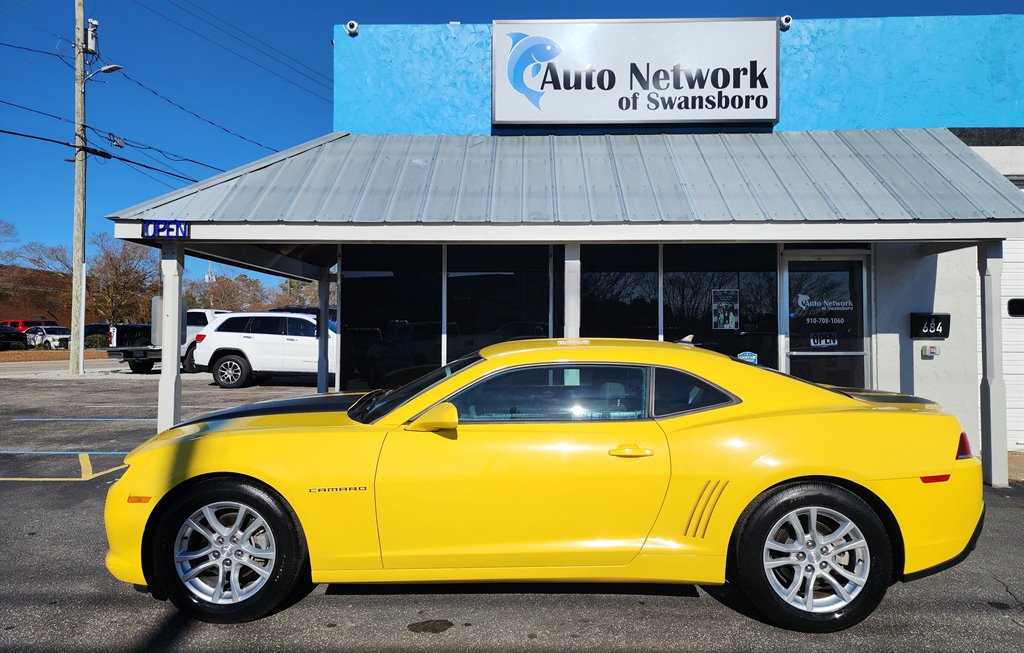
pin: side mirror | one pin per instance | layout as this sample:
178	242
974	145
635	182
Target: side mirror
442	417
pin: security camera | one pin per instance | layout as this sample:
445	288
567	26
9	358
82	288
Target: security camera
352	27
785	22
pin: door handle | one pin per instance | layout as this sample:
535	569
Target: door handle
247	337
292	339
630	451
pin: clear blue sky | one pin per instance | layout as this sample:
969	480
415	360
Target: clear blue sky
175	47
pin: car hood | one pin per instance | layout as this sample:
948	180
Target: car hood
325	403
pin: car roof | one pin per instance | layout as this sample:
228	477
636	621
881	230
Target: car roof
579	344
263	314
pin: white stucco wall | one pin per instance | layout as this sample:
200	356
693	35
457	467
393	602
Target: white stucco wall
906	281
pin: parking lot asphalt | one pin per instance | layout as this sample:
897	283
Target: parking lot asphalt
55	593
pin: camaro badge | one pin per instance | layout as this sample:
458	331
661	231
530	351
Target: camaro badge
349	488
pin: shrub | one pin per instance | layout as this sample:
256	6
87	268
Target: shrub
95	340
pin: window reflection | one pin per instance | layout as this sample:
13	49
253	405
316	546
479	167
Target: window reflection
496	293
724	296
391	309
619	291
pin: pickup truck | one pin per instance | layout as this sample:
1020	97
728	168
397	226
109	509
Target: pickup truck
133	343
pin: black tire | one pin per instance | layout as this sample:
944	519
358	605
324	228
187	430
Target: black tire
288	567
141	367
760	521
232	371
188	364
47	345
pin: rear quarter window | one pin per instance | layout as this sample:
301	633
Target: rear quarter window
233	325
677	392
196	319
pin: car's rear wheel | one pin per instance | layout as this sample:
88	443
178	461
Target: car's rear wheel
188	365
232	371
812	557
141	367
228	551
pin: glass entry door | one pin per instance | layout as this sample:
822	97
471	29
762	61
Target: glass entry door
826	313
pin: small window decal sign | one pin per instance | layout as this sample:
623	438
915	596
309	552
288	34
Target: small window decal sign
166	229
824	340
748	357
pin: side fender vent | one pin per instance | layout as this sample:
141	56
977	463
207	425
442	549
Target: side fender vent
704	507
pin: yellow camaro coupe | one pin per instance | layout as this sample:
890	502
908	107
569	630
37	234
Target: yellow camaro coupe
556	460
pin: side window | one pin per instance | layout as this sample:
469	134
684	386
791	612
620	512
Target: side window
195	319
678	392
267	325
557	393
233	325
299	327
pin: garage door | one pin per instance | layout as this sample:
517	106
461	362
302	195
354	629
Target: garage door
1013	343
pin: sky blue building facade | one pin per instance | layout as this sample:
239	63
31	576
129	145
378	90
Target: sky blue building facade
855	73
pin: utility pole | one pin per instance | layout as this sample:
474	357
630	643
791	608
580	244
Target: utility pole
76	344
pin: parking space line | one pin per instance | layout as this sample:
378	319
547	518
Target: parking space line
64	453
84	419
84	463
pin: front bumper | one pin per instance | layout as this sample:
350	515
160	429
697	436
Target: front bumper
125	524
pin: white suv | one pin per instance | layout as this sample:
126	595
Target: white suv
238	346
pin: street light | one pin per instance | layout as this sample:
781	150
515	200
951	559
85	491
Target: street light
109	68
85	43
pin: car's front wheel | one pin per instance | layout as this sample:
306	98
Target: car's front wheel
812	557
228	551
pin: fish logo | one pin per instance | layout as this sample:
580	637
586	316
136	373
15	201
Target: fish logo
529	53
801	301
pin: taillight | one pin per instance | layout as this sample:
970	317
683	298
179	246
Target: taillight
110	337
200	337
963	450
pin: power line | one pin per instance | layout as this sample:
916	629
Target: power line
249	44
193	113
100	153
144	173
21	47
111	136
234	52
260	41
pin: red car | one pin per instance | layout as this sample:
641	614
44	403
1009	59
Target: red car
23	325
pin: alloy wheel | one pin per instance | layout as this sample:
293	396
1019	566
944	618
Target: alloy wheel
224	553
816	559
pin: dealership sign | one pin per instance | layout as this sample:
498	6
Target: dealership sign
656	71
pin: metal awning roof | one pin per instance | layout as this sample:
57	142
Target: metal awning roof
625	188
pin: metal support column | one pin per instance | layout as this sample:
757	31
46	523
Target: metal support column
323	331
994	461
172	263
572	290
339	382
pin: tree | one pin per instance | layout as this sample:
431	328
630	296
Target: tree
8	234
242	293
122	279
301	293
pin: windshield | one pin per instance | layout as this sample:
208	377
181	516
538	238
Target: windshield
379	403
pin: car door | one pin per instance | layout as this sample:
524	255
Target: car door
32	334
299	352
263	343
552	465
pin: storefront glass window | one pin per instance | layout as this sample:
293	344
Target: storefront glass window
619	291
826	321
495	293
391	313
725	296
